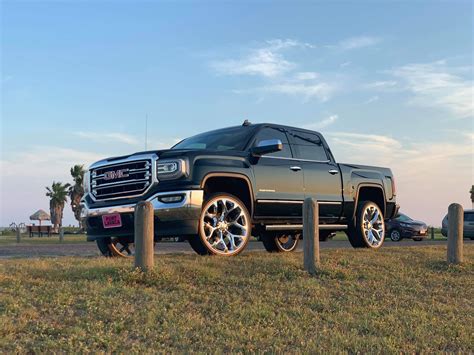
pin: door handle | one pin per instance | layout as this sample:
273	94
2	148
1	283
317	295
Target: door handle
333	171
295	168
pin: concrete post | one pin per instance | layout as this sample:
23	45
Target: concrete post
18	235
61	234
455	233
311	235
432	233
144	235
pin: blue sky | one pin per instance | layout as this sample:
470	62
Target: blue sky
388	83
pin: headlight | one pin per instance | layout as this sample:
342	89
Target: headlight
171	169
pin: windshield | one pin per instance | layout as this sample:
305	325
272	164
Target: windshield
403	218
234	138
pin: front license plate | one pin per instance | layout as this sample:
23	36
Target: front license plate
112	220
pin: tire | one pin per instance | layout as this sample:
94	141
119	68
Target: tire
417	239
280	243
103	245
116	247
324	236
224	226
368	228
395	235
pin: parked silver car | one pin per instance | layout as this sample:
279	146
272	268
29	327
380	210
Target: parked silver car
468	225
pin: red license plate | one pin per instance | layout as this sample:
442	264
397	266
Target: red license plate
112	220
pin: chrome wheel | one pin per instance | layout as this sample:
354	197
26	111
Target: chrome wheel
287	242
224	225
120	247
373	226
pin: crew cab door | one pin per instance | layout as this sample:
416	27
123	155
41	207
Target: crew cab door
278	179
322	177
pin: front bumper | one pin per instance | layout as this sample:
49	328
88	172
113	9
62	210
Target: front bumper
414	233
171	218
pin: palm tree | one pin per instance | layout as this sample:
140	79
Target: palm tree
472	195
76	191
58	198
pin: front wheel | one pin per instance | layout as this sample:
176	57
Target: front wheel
224	226
368	231
395	235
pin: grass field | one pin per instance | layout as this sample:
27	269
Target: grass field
396	299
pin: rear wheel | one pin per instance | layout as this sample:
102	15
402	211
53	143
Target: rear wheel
224	226
280	243
368	231
417	239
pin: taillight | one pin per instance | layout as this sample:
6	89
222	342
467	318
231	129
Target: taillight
394	190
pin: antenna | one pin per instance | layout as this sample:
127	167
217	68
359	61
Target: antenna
146	132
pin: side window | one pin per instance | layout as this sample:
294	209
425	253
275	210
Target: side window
309	146
469	216
274	133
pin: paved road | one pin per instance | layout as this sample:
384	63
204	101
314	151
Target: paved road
90	249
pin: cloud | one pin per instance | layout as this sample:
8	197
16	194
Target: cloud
266	61
323	123
319	91
381	84
419	166
109	137
306	75
372	99
438	86
356	43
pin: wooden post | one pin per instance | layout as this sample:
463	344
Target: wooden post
144	234
61	234
18	235
432	233
311	235
455	233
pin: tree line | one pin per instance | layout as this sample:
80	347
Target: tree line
58	194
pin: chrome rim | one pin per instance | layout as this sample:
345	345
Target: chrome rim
225	226
287	242
119	247
395	235
373	226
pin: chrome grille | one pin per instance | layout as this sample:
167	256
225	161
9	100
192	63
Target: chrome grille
121	180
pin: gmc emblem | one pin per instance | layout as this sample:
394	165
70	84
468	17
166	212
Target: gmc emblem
116	174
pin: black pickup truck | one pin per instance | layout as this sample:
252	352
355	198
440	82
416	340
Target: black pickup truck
217	189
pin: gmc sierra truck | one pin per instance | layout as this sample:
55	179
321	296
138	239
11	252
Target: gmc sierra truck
219	188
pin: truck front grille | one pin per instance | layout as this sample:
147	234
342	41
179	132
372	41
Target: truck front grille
121	180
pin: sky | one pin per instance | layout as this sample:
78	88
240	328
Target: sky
388	83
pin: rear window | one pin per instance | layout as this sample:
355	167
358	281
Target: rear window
308	146
469	216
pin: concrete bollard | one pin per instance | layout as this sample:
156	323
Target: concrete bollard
311	235
18	235
144	235
455	233
61	234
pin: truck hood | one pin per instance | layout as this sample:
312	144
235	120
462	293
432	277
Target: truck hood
175	153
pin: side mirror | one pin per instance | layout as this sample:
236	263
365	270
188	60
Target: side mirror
267	146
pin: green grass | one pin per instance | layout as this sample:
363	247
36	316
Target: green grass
392	300
54	239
